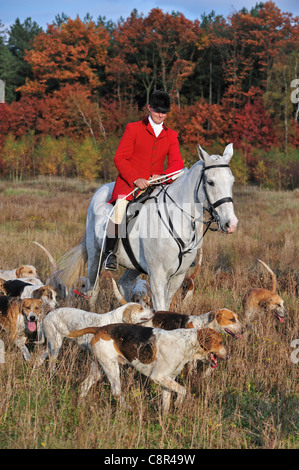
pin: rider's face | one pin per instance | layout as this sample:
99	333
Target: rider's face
157	117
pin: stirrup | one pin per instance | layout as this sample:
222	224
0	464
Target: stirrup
110	263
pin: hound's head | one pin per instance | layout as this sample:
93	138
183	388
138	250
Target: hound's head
135	313
26	270
47	294
226	321
274	305
211	347
258	303
32	311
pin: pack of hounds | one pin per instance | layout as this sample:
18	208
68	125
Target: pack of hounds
157	344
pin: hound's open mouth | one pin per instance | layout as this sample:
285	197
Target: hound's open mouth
31	325
279	317
213	360
235	335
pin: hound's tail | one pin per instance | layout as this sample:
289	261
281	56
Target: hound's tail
73	263
118	295
93	330
51	259
274	281
196	270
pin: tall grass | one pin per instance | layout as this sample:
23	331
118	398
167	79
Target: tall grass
251	401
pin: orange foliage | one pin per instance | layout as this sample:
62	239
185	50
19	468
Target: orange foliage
70	53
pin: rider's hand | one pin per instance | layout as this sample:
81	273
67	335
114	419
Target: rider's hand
141	183
153	177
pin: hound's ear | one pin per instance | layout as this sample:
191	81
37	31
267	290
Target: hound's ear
228	151
130	311
36	294
203	155
263	304
203	339
19	271
211	317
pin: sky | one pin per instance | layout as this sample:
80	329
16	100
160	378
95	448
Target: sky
44	12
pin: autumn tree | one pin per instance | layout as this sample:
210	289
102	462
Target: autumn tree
70	53
154	51
253	127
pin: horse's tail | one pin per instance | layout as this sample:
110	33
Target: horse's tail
73	263
118	295
274	282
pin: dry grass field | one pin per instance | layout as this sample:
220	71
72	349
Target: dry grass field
249	402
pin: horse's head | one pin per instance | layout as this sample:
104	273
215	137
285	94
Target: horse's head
218	182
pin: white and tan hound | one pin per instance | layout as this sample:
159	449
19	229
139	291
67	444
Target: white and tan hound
25	270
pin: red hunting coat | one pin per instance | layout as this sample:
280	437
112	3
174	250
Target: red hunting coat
141	154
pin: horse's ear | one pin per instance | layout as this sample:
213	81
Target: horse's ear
228	151
203	155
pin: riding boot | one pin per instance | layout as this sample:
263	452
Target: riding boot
110	257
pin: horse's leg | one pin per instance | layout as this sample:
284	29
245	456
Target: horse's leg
174	284
93	265
158	285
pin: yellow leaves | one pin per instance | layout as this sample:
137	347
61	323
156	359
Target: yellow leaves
87	159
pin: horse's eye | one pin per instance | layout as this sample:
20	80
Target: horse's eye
210	183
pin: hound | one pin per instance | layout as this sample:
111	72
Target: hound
58	324
23	290
26	270
158	354
19	319
223	320
139	293
257	301
82	284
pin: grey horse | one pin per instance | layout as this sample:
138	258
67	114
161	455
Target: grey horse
165	236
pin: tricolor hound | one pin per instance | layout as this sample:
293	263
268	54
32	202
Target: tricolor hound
223	321
158	354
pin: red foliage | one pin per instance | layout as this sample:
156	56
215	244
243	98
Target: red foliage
23	115
4	114
253	127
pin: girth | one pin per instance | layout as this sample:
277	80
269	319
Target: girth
145	196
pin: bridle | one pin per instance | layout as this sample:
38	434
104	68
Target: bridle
212	206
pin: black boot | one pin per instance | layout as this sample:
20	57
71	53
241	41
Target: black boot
110	263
